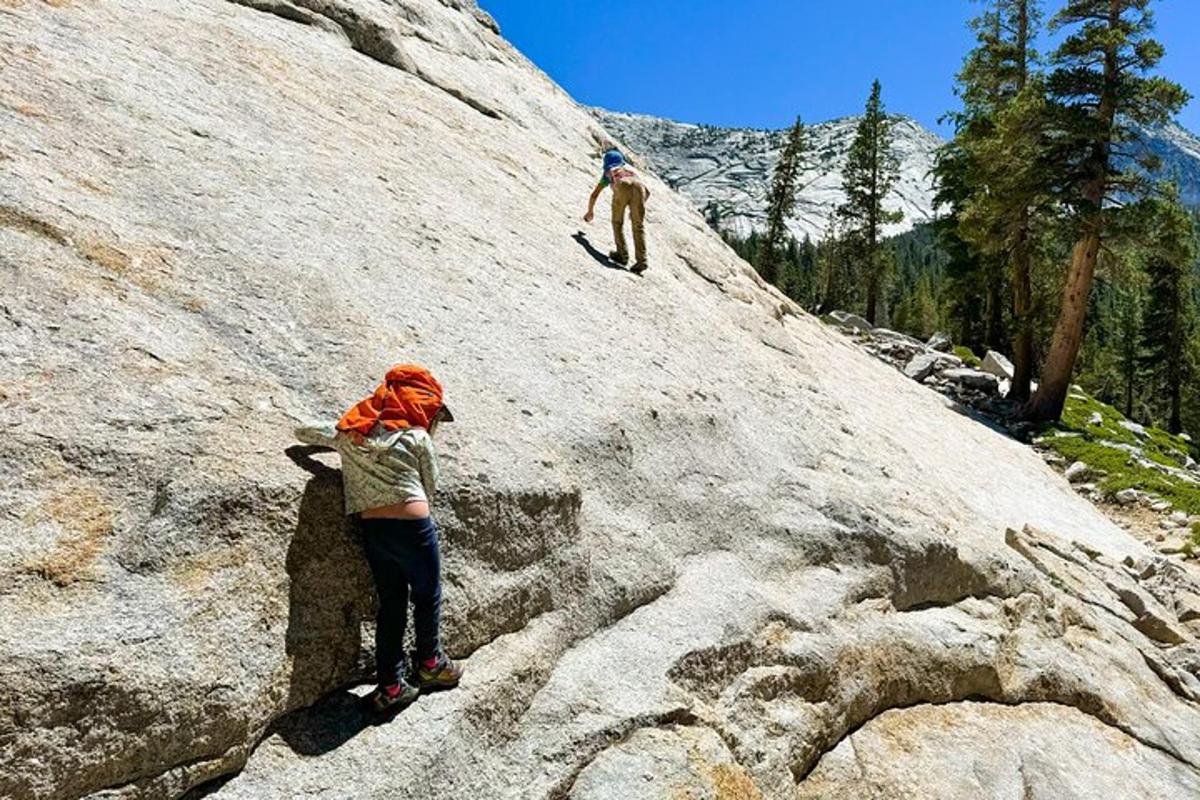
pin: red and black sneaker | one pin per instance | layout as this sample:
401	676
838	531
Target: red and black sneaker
387	698
437	673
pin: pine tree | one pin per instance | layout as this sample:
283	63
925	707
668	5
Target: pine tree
1000	141
1102	92
836	270
1170	322
781	199
1129	301
871	171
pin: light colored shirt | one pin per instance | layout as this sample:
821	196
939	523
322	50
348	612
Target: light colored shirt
621	172
387	468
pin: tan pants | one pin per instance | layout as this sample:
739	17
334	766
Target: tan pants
632	195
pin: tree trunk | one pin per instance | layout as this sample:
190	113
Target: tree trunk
994	335
872	296
1022	312
1128	410
1175	376
1047	403
1175	425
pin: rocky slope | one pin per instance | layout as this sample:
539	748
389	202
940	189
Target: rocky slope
728	170
696	544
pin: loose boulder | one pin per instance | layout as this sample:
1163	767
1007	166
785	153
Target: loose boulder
940	342
998	365
923	365
851	321
1077	472
974	379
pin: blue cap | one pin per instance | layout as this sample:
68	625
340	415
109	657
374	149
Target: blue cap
613	158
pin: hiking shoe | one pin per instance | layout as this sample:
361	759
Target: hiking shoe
619	258
394	697
444	674
639	268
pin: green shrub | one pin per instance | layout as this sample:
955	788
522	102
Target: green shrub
1091	442
968	357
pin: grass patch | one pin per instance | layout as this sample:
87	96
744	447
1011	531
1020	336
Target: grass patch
969	358
1092	427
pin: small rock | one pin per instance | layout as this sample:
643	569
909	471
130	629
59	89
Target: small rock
1180	518
1127	496
1162	506
1077	472
998	365
897	337
1187	607
1159	629
973	379
1168	525
852	321
923	365
1133	427
940	342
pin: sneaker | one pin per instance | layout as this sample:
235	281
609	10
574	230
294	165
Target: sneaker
444	674
396	696
619	258
639	268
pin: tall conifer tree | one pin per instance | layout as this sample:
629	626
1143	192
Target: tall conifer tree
780	201
1102	92
1001	134
1169	323
871	171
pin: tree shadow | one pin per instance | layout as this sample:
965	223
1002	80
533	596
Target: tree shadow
599	256
330	594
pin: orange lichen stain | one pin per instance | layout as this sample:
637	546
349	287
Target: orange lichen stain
88	519
22	221
85	182
106	255
141	265
732	783
195	573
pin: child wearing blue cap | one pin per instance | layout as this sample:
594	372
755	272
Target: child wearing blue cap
628	191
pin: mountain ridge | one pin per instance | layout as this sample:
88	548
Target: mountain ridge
732	191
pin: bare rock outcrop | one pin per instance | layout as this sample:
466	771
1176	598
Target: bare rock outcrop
689	531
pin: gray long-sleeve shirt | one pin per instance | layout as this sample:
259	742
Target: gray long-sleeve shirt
386	468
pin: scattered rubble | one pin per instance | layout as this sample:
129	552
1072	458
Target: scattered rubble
1100	451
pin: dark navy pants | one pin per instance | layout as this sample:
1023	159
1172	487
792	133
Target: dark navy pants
404	559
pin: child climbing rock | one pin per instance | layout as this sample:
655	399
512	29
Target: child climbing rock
628	191
389	470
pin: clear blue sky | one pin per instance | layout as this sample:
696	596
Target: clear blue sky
760	62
